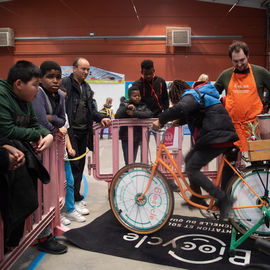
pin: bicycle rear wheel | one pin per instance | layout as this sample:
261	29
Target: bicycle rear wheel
149	214
245	218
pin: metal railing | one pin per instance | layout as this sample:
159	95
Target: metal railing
51	198
94	162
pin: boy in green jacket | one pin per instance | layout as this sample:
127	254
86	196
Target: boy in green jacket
18	122
17	118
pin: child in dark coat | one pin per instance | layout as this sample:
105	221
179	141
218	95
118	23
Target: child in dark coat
132	108
212	130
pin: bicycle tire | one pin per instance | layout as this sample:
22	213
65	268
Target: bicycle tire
245	218
154	210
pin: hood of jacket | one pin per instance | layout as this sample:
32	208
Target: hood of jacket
207	91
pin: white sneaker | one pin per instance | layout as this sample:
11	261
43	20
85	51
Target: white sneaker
81	208
82	202
65	221
76	216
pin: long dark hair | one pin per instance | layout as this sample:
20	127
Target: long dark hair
176	89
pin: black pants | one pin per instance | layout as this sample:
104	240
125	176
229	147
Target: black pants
195	160
136	145
79	141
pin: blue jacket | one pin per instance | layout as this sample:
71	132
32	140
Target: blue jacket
207	91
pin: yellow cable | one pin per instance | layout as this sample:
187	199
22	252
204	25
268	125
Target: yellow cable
77	158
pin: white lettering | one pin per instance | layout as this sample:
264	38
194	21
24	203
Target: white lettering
131	237
241	259
158	242
141	241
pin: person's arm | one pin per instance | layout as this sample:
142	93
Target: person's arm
142	111
219	84
58	120
121	112
69	147
39	106
165	96
223	80
264	84
44	143
13	126
182	110
16	157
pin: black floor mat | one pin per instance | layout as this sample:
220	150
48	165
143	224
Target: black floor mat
187	242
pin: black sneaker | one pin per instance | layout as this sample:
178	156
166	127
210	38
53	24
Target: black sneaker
52	246
195	200
225	206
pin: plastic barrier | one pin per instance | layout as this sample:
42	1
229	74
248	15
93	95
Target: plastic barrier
51	198
94	163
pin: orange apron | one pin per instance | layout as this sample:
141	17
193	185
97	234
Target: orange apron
243	103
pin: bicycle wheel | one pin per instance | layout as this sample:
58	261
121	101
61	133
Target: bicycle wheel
149	214
245	218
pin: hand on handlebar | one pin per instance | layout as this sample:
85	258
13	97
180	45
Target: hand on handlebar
175	123
156	125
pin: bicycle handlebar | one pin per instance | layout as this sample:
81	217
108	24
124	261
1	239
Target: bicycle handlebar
161	130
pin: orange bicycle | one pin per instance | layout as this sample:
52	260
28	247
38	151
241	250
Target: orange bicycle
143	202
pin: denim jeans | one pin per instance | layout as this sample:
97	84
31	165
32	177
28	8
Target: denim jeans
70	188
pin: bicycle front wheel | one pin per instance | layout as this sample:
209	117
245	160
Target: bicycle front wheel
246	212
148	214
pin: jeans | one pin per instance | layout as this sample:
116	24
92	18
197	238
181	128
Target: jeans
125	150
79	143
70	188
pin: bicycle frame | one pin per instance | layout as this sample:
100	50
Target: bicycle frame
169	167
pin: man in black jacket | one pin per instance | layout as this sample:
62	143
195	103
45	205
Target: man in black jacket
81	113
153	89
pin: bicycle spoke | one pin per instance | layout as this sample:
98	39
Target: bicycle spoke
261	178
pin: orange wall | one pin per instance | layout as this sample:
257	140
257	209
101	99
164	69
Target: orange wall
78	18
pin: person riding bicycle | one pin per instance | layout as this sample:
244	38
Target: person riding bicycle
212	130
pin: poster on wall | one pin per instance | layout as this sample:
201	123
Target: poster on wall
98	75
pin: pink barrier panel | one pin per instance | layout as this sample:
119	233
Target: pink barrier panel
95	163
51	198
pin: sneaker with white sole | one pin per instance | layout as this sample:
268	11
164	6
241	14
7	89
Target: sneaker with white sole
80	207
82	202
65	221
76	216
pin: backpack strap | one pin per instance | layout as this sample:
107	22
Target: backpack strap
201	97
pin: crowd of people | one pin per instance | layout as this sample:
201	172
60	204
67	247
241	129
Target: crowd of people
38	105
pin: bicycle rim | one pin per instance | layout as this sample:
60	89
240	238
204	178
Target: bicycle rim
245	218
153	211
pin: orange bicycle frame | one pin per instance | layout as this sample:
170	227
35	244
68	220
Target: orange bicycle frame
183	191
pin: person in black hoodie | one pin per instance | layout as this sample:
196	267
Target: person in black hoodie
132	108
212	130
153	89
